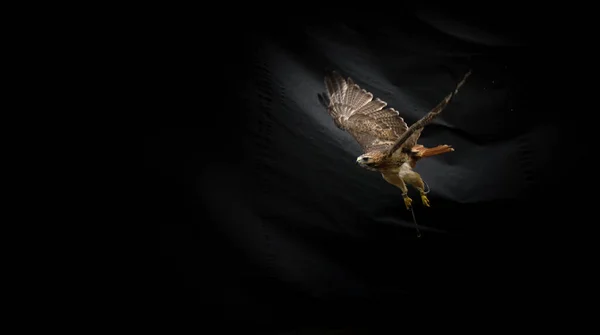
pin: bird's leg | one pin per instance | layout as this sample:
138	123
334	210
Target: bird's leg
415	180
424	199
397	181
407	200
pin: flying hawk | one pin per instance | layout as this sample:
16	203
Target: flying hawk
389	145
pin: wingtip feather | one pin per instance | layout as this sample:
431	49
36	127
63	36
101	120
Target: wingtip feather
323	100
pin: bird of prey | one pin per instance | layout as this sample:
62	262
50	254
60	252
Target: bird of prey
389	145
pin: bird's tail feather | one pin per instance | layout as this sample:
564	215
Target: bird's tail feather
428	152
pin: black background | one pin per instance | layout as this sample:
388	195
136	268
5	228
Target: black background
267	224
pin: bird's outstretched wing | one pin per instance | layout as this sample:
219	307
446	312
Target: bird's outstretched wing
410	136
354	110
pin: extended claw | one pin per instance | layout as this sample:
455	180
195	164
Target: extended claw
407	201
425	200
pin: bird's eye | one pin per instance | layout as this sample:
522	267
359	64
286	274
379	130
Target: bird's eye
365	159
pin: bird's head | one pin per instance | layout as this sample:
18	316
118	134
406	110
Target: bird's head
370	160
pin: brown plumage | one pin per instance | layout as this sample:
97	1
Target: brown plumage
389	145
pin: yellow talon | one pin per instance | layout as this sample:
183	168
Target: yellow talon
407	201
425	200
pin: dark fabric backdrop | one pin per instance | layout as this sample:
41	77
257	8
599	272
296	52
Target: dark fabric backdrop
264	218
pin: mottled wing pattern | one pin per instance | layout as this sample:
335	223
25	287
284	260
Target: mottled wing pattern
354	110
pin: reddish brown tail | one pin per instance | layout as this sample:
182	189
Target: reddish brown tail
428	152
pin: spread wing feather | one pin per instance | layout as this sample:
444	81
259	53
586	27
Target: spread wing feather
407	139
354	110
372	125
